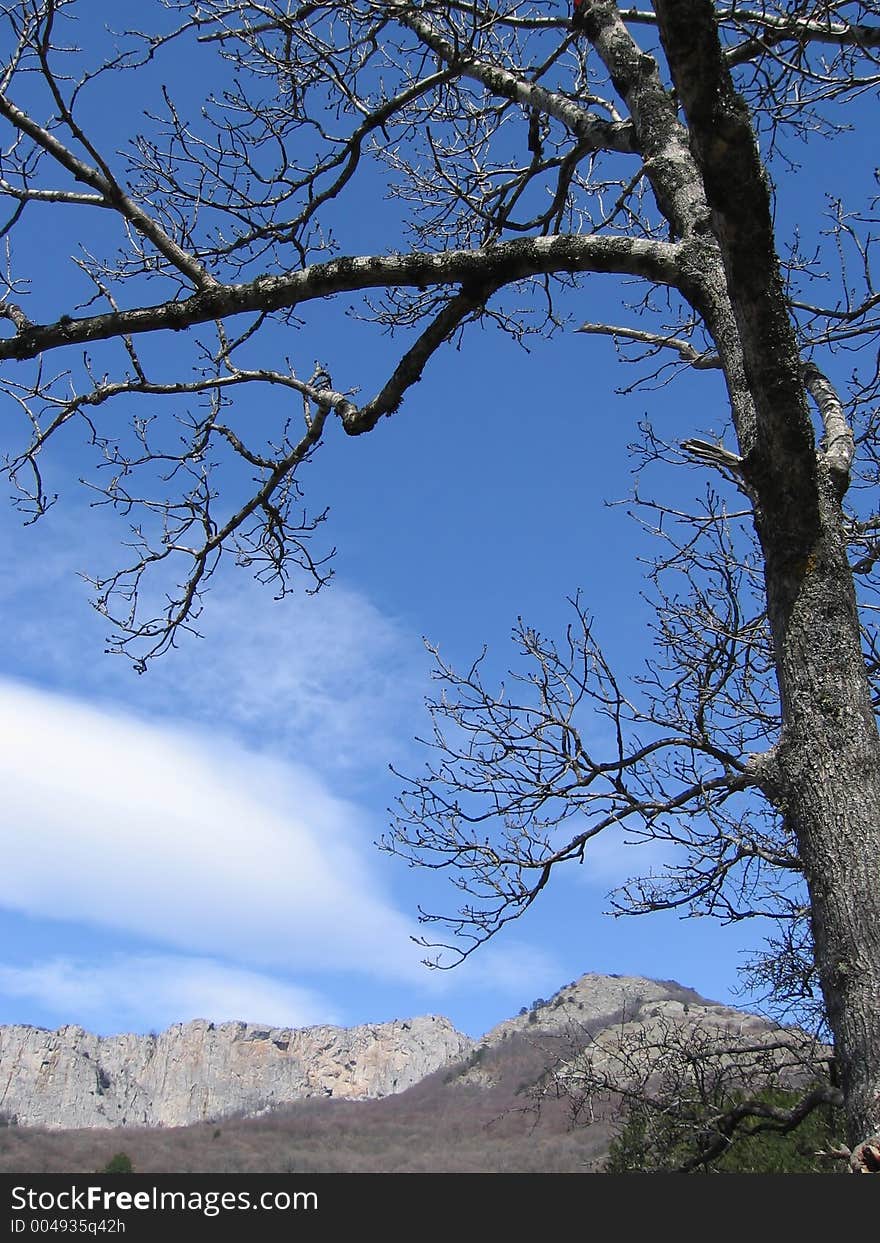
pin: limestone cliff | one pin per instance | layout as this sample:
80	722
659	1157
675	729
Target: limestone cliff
199	1070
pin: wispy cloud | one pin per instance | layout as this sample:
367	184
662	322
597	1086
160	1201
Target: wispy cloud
187	840
139	992
199	808
330	678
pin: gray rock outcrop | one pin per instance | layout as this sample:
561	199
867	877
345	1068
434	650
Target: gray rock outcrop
199	1070
614	1030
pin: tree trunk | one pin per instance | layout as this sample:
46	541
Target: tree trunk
829	789
825	777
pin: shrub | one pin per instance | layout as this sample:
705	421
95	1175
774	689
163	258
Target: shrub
120	1164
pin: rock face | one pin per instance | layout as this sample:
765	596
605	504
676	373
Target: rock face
199	1070
615	1029
601	1001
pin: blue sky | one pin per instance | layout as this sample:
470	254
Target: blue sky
199	841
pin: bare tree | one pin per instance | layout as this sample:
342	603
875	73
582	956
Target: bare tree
694	1092
522	155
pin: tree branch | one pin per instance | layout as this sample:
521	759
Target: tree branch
491	266
838	446
723	141
112	194
700	360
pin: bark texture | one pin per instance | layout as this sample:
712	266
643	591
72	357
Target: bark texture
826	779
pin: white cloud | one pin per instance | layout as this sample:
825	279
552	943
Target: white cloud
330	676
151	991
187	841
187	825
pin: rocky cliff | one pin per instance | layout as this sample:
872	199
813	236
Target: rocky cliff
199	1070
623	1027
612	1004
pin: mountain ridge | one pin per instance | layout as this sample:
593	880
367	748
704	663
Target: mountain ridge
201	1071
191	1072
